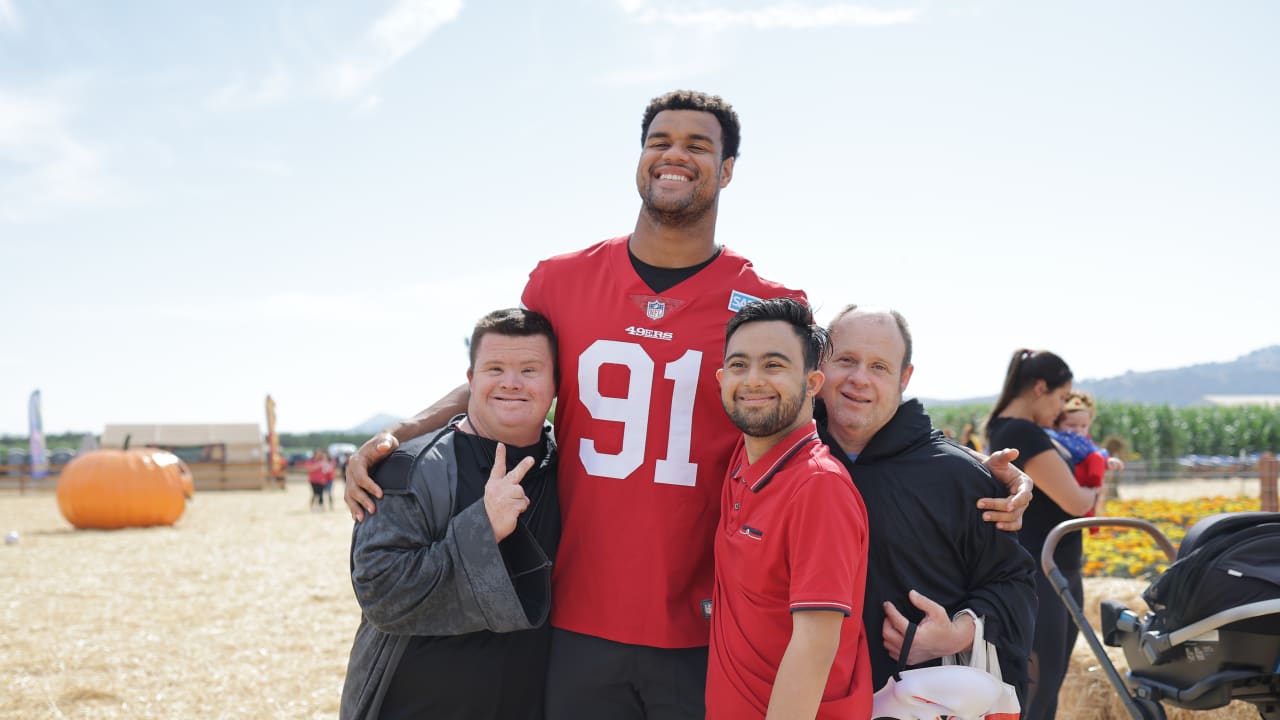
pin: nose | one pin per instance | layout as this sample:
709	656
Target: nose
754	377
675	152
512	379
857	376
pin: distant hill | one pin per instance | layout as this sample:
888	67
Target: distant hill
1257	373
373	424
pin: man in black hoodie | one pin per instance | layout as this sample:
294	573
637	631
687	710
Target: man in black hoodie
933	560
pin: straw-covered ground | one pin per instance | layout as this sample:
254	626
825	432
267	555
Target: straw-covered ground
243	609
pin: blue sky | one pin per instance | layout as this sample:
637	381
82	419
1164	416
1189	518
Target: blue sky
204	203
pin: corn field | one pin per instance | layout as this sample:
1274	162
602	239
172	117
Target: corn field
1160	431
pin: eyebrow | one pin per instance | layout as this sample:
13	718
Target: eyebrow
692	136
744	356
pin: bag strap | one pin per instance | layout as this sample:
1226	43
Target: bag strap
906	650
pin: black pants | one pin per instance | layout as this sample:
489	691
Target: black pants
1051	648
590	678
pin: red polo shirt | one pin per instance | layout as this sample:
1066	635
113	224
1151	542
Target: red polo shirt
792	537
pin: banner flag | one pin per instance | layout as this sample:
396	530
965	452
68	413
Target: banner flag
39	465
275	460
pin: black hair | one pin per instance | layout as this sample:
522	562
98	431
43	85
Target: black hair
1026	368
730	129
813	338
903	329
518	322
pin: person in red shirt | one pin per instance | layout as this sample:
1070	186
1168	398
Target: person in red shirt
787	639
644	444
321	470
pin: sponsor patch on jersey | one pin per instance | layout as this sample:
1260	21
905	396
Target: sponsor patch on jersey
738	299
655	309
706	608
752	533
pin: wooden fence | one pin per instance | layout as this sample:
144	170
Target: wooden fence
206	476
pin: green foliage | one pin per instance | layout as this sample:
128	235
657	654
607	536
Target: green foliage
68	440
298	442
956	417
1151	431
1161	431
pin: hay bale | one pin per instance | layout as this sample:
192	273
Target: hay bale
1087	693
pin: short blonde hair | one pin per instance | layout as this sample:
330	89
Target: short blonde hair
1077	401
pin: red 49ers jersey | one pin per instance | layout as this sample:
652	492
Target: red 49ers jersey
643	439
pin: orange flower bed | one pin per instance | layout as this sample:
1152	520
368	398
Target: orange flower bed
1120	552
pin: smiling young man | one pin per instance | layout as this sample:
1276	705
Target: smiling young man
453	573
787	639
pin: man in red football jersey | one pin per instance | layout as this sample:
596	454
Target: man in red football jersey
643	440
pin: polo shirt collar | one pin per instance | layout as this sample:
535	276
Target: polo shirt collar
758	474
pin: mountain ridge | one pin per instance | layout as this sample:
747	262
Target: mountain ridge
1254	373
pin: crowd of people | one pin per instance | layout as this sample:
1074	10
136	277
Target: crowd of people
736	513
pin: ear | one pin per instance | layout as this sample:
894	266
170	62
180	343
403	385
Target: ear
720	375
906	378
726	172
813	383
470	375
1041	387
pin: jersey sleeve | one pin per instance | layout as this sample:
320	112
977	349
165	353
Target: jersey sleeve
827	546
534	296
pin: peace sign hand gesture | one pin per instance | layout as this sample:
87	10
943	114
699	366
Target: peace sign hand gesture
504	498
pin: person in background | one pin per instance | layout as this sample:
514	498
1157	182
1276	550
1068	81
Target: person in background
1036	386
970	437
320	473
1089	462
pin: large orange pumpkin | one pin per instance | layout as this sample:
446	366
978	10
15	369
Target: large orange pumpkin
179	469
109	489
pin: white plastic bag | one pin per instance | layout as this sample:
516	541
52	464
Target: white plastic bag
965	688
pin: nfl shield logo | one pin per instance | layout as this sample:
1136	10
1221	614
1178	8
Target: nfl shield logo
655	309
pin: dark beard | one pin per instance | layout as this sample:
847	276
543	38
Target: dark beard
681	217
687	214
766	424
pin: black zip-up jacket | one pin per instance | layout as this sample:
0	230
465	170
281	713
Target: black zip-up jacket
927	534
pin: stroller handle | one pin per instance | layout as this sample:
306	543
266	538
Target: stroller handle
1138	708
1047	563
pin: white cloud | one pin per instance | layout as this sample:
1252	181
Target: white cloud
396	34
273	88
789	16
50	168
390	38
9	17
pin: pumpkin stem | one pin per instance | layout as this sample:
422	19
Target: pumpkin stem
127	438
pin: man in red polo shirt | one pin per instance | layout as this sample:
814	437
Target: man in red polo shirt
787	639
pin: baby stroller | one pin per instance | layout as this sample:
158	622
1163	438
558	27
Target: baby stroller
1213	635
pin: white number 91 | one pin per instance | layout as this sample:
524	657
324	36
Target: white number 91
633	411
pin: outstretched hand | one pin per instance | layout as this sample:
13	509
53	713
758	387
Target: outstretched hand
937	635
359	486
1007	513
504	497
